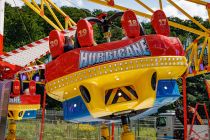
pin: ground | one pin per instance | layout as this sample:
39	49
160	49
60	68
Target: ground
60	130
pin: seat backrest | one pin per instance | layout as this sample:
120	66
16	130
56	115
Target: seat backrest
160	23
16	87
32	87
56	43
85	33
130	24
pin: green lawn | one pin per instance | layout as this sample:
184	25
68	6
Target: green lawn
60	130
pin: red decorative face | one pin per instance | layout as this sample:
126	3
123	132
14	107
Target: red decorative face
82	33
53	43
16	87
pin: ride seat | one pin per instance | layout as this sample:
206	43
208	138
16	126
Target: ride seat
85	33
130	24
56	43
16	87
32	87
160	23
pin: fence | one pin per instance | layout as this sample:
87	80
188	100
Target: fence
60	130
56	130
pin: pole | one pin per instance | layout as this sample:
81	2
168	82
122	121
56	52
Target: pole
12	130
138	137
112	131
2	5
5	89
43	116
184	105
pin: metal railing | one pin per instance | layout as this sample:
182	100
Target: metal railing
61	130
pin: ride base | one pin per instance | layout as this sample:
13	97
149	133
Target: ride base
118	74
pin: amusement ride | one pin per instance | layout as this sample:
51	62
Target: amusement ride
109	82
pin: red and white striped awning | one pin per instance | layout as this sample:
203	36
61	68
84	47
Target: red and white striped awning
32	68
27	54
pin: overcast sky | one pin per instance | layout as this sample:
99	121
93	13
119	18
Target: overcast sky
192	9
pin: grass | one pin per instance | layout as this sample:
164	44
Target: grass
60	130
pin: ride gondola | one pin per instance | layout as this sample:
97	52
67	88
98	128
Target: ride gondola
130	77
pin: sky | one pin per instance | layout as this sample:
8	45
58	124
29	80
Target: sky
192	9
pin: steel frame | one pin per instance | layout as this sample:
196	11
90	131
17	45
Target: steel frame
195	114
40	10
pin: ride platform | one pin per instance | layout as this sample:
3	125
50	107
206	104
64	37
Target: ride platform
115	78
23	105
136	72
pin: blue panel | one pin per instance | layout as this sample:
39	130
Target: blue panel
75	109
167	93
31	114
167	88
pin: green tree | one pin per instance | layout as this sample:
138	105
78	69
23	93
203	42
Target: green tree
20	28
